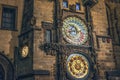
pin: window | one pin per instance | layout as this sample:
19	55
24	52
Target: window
65	4
48	36
108	40
8	18
108	31
78	6
103	40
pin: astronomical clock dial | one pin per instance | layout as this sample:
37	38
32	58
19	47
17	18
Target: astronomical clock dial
25	50
77	66
74	31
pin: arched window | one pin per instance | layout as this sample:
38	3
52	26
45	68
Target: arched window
6	68
2	73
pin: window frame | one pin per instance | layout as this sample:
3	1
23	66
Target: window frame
50	36
14	8
76	6
48	26
67	5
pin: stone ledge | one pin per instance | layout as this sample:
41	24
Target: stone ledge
115	73
34	72
41	72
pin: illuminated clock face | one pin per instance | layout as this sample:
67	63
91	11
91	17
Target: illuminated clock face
74	31
78	66
25	51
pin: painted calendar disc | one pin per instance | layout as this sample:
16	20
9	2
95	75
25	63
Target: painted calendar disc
78	66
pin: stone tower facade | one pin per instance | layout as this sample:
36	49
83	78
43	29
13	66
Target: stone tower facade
59	40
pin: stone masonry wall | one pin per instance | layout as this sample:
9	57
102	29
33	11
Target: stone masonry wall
114	14
8	38
43	11
102	42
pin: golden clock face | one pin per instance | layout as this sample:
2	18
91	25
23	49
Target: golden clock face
78	66
25	51
74	31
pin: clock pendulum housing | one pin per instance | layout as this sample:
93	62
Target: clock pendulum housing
76	57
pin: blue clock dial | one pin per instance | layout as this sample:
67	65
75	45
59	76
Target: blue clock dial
74	31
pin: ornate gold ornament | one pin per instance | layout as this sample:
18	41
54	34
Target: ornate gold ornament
78	65
25	51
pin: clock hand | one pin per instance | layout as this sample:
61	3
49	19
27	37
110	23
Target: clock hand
72	31
78	30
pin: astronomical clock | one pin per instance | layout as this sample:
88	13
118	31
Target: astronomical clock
75	52
74	31
76	59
